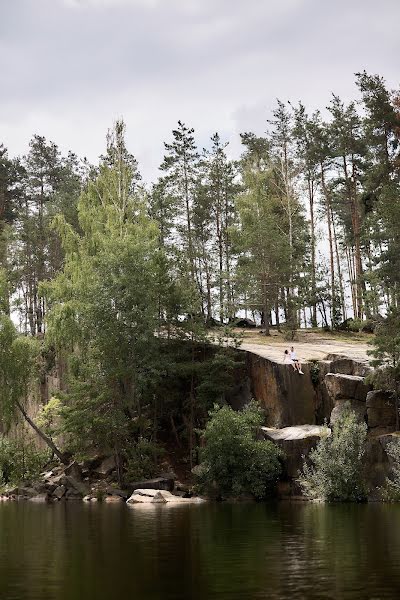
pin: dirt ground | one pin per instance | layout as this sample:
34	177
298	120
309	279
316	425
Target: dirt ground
308	344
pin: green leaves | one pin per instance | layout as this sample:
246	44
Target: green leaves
333	470
235	462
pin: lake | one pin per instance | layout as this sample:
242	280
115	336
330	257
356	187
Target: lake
222	551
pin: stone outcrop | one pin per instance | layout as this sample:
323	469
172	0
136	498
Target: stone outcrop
296	443
346	387
149	496
381	409
287	397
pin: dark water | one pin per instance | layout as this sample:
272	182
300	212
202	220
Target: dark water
79	551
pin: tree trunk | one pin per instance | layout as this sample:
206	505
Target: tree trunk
64	458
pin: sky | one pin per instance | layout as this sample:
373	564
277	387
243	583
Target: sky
69	68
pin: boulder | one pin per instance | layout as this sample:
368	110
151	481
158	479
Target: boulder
346	386
111	491
60	491
296	442
39	498
106	467
74	470
166	495
381	409
28	492
113	500
348	366
77	486
141	499
357	407
159	483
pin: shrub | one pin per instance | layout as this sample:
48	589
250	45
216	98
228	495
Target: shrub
314	371
392	490
235	462
142	460
20	460
334	470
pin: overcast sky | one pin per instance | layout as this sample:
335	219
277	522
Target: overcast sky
69	68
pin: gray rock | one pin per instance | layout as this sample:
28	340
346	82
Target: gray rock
73	470
106	467
78	486
381	409
39	498
296	443
342	387
141	499
116	492
60	491
27	491
113	499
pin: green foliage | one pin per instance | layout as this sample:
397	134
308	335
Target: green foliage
49	416
391	491
333	471
20	460
234	461
142	459
386	356
314	371
19	357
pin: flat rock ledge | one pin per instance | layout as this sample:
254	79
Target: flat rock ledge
297	432
149	496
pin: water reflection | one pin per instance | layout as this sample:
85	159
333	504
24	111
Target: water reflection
73	551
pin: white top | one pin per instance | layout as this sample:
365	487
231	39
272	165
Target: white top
293	355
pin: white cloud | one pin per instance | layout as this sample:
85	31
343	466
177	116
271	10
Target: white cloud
217	64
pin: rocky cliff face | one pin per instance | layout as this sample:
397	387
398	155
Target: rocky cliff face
297	406
288	398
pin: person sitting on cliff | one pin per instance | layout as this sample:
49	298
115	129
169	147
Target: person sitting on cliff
288	360
295	361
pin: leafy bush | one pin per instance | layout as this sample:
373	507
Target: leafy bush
142	460
334	470
355	325
235	462
49	417
392	490
20	460
314	371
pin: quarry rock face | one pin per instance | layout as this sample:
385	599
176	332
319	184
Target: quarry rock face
287	397
346	387
381	409
296	443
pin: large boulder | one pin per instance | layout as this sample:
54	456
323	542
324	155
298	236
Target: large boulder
296	442
346	387
137	498
106	467
381	409
146	496
348	366
159	483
